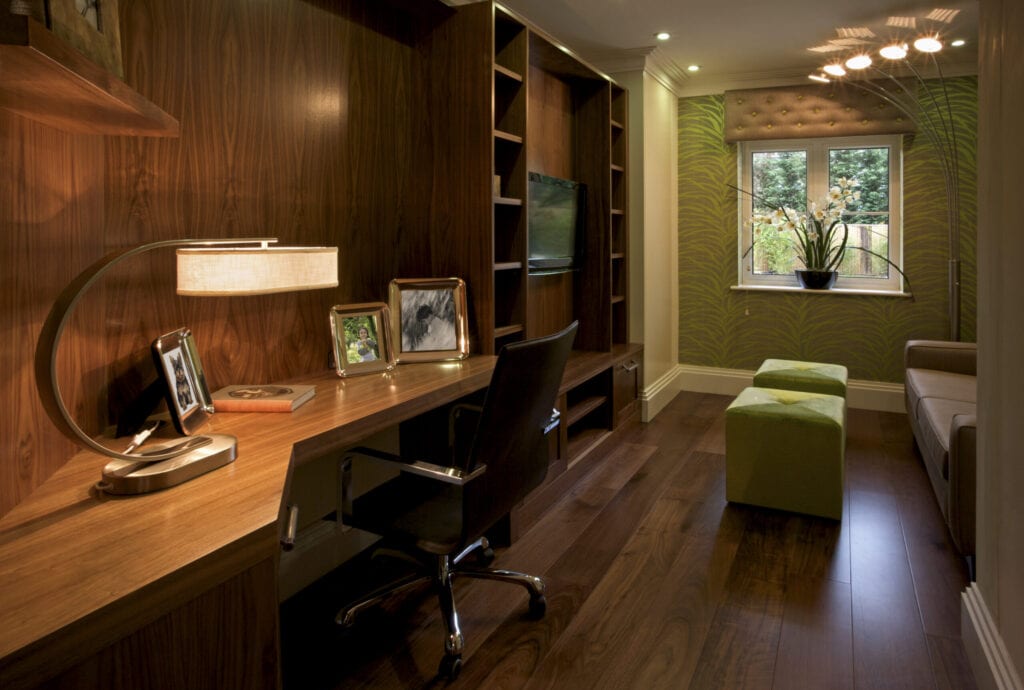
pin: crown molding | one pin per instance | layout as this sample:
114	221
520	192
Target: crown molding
647	59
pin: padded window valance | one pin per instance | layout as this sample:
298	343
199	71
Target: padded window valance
796	112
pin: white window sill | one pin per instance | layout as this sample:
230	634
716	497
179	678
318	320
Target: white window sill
833	291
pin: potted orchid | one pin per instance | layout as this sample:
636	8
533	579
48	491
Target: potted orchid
819	237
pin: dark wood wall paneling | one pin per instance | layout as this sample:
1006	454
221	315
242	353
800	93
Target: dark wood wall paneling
315	122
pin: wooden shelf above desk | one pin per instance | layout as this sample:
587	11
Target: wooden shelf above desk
47	81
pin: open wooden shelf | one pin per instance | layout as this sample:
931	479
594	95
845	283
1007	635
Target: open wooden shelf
503	331
506	72
47	81
507	201
505	136
582	408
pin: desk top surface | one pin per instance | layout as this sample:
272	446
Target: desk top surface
69	554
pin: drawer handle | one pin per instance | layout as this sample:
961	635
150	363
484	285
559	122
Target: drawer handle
288	543
630	366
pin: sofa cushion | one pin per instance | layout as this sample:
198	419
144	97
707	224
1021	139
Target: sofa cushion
931	383
937	420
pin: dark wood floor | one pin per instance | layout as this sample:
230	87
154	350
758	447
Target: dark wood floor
654	581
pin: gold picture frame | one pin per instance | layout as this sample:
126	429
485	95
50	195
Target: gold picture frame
188	397
91	27
428	317
361	338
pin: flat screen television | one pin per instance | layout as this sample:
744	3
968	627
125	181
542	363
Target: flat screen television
555	217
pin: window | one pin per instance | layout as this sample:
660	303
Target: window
792	172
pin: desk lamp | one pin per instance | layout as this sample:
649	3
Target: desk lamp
222	267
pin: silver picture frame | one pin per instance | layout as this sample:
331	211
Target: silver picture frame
188	396
428	318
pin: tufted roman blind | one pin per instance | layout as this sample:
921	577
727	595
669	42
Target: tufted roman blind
797	112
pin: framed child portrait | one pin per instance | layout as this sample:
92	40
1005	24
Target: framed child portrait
188	397
361	337
429	319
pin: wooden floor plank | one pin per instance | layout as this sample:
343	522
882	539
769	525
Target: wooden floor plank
888	641
816	644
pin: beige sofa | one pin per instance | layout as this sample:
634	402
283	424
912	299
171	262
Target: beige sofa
941	398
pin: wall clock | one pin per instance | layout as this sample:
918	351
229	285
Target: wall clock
91	27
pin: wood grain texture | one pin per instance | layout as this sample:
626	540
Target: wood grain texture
654	581
307	121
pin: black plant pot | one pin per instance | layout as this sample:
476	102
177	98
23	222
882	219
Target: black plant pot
816	280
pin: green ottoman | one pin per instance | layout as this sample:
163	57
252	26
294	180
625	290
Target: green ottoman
791	375
784	450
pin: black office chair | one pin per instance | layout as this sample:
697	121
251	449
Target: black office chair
440	513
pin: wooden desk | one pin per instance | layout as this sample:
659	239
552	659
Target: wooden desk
178	587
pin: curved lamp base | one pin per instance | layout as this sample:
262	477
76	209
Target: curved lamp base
139	477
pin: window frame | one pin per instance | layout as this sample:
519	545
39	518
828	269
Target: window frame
817	185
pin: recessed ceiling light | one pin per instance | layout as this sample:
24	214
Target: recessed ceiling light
859	62
693	68
835	69
818	77
958	42
663	35
928	44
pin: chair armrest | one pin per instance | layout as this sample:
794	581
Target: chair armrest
442	473
943	355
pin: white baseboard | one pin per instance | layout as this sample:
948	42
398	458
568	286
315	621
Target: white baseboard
654	397
993	668
865	395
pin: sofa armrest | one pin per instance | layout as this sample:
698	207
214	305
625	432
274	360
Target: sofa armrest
943	355
963	438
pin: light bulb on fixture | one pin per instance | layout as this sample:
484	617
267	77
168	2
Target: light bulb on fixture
663	35
895	51
693	68
928	44
818	77
859	61
835	69
958	42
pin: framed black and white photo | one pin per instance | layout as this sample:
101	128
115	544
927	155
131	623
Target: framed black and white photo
361	336
188	397
429	319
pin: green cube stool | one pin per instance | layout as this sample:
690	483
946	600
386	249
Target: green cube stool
792	375
785	449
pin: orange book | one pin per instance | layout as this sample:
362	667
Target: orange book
261	398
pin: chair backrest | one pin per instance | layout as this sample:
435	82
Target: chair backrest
510	437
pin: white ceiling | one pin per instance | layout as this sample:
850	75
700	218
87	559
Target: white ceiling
737	43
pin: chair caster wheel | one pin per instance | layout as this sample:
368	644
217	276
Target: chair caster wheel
486	556
451	666
538	606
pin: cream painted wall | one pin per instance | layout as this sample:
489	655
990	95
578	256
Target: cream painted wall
1000	559
653	236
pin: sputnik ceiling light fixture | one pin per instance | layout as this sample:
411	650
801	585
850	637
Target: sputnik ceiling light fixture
901	83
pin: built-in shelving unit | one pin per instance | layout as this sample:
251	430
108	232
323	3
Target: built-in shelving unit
46	80
509	231
556	115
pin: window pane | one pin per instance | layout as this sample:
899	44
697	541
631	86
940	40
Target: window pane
778	178
870	167
871	235
867	218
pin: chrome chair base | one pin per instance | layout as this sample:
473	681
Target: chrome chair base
446	570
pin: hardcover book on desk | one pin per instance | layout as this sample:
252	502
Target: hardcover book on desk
261	398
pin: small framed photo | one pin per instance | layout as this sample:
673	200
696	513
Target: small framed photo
361	334
188	397
428	318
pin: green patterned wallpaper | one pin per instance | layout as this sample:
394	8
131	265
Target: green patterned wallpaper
720	327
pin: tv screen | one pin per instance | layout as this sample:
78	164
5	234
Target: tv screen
555	216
